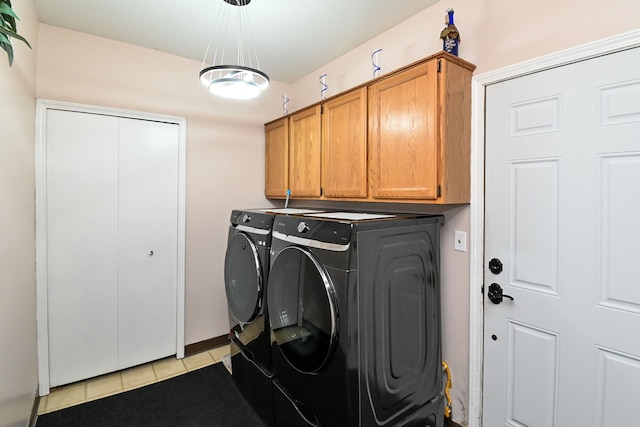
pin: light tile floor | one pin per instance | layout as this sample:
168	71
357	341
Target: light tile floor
117	382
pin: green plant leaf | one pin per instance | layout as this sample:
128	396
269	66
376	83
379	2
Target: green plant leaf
9	49
5	9
8	16
15	35
8	29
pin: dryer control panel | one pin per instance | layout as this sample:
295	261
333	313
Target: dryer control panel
333	232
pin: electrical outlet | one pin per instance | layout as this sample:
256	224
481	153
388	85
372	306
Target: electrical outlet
460	241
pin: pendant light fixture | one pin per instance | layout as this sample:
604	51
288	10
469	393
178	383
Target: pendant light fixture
243	79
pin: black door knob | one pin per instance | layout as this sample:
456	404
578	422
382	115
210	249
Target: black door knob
495	294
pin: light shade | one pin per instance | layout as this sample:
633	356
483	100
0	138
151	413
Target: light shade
239	79
234	81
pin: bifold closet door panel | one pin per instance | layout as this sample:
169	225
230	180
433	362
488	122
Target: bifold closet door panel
148	230
82	244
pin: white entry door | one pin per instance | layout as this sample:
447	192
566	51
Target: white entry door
562	216
111	242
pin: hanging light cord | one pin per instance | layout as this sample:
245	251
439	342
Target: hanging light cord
240	77
217	25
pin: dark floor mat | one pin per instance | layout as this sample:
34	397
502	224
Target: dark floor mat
205	397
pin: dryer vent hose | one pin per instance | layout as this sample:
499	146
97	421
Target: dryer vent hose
447	390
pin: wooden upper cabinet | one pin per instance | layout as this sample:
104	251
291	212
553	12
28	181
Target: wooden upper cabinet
402	138
420	131
277	158
344	145
305	153
403	134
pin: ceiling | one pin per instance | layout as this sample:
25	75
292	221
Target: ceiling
293	37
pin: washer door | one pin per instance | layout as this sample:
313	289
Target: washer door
302	309
243	278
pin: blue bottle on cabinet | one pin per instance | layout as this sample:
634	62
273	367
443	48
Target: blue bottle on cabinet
450	35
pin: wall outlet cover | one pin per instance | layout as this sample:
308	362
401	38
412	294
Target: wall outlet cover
460	240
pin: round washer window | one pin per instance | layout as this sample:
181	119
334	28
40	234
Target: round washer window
243	278
302	309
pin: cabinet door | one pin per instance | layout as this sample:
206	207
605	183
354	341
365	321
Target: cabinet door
277	158
403	134
304	153
344	145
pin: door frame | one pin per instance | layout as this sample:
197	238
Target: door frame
476	227
42	311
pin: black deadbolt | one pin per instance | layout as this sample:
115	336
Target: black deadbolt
495	265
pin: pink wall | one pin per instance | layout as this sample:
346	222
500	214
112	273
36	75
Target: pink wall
495	34
225	140
225	144
18	350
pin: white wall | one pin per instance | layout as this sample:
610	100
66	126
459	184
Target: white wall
18	352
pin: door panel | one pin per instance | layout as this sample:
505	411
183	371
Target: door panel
82	191
615	405
561	209
534	255
147	231
531	375
618	255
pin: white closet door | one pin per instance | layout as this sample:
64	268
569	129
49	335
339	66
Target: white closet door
82	245
112	242
148	230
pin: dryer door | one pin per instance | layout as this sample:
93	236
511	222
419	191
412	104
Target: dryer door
243	279
302	309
